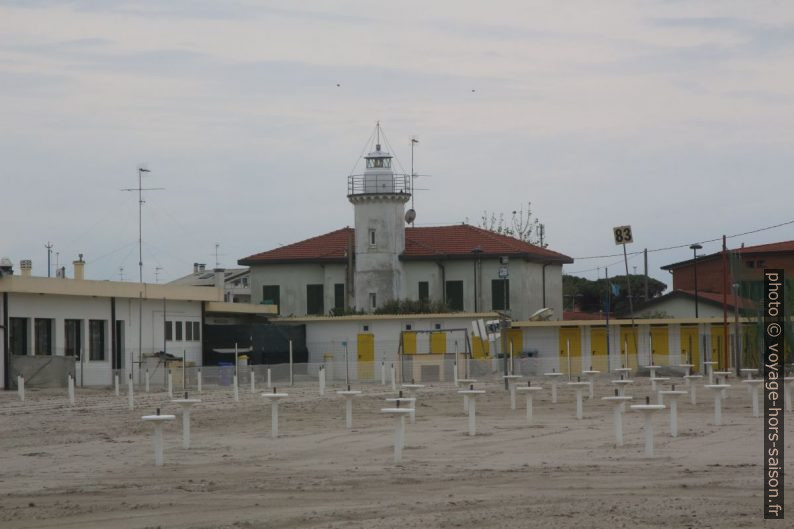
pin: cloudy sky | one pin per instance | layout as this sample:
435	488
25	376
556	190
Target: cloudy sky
676	117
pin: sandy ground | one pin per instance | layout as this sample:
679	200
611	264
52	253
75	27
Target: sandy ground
92	466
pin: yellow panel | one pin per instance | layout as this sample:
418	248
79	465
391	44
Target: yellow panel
515	337
717	347
438	342
479	347
660	345
598	345
690	346
366	355
628	340
572	336
409	343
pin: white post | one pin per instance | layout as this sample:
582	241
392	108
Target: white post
592	383
399	434
674	416
130	397
349	411
236	390
455	372
274	418
147	379
465	403
754	389
21	387
70	383
618	420
383	373
116	383
198	380
553	391
512	396
291	374
717	408
648	435
269	379
529	408
186	427
578	403
472	416
158	444
253	380
393	379
510	371
322	381
693	394
170	385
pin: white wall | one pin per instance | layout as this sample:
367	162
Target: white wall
293	278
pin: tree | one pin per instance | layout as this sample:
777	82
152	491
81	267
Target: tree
523	226
591	296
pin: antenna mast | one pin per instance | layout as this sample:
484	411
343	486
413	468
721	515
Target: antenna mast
49	246
414	141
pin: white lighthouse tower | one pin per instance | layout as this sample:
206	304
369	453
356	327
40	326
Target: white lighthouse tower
378	197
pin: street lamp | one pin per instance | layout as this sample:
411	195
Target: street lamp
695	247
477	251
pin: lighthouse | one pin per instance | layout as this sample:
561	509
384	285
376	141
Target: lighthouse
378	196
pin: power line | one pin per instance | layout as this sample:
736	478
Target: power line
685	245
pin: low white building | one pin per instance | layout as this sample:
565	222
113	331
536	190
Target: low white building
104	325
458	267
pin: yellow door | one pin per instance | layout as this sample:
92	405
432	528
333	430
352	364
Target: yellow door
598	348
438	342
409	343
717	347
628	343
366	355
570	344
660	345
749	345
515	338
479	347
690	346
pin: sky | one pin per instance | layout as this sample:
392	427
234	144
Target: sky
674	117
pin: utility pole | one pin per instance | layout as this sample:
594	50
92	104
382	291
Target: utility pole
48	246
414	141
645	255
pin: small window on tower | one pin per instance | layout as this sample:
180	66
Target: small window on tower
372	237
372	301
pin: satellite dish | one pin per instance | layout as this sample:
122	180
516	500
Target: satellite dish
542	314
410	216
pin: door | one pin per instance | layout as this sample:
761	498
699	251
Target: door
120	356
438	342
570	350
717	346
660	345
365	355
409	342
690	346
598	349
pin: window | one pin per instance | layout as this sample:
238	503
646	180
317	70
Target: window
454	291
244	282
761	263
178	331
408	326
339	296
73	337
314	300
372	237
424	292
43	336
500	290
373	302
189	331
378	163
96	339
750	264
197	331
271	295
18	337
169	330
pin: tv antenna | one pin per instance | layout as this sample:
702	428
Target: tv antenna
157	271
121	273
49	247
140	189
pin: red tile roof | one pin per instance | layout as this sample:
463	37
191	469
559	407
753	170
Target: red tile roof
716	297
437	242
772	248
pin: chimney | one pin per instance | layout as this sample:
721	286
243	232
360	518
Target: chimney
79	268
26	267
219	281
199	268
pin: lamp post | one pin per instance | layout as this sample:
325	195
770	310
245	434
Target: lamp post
477	251
695	247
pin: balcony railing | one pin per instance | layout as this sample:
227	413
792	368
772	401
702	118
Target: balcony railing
374	184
